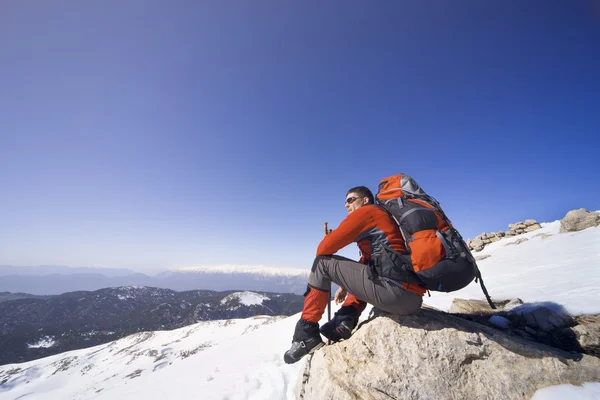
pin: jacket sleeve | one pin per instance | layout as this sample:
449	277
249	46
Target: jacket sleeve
348	231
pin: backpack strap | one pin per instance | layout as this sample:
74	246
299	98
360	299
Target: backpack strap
485	292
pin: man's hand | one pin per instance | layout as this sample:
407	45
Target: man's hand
340	295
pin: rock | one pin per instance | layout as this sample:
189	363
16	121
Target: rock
482	257
434	355
529	222
518	241
500	234
588	336
494	239
512	304
470	306
545	319
530	331
477	244
577	220
524	334
588	319
487	241
509	234
500	322
533	227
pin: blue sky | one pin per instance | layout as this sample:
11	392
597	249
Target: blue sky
150	134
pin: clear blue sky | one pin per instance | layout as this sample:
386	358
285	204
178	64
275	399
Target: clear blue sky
148	134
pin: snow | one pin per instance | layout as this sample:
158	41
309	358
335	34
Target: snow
588	391
44	342
114	366
242	359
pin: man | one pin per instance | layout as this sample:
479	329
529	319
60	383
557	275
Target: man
381	244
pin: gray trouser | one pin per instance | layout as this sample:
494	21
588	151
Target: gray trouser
353	276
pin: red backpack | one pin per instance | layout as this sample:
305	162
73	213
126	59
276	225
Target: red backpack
439	256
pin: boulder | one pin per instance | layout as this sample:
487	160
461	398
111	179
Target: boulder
500	234
470	306
529	222
477	244
588	334
434	355
517	226
577	220
512	304
533	227
494	239
544	319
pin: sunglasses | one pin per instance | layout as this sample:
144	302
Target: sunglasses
351	200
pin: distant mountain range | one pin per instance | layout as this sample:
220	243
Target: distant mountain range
52	280
33	326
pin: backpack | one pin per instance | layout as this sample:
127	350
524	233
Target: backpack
439	256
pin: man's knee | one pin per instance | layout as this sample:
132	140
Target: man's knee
319	260
326	261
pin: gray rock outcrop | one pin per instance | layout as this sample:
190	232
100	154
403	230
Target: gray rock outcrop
435	355
577	220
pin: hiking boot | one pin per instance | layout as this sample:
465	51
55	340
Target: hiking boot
342	324
306	341
302	348
336	331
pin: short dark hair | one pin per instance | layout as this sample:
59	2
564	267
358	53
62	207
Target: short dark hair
362	191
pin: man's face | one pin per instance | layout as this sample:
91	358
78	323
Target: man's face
354	202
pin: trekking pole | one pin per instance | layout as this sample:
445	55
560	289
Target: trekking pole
327	231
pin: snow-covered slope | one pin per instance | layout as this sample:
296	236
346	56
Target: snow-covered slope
112	367
244	360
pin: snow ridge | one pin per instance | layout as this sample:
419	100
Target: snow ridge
244	269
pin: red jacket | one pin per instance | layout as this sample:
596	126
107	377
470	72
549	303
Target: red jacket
370	227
